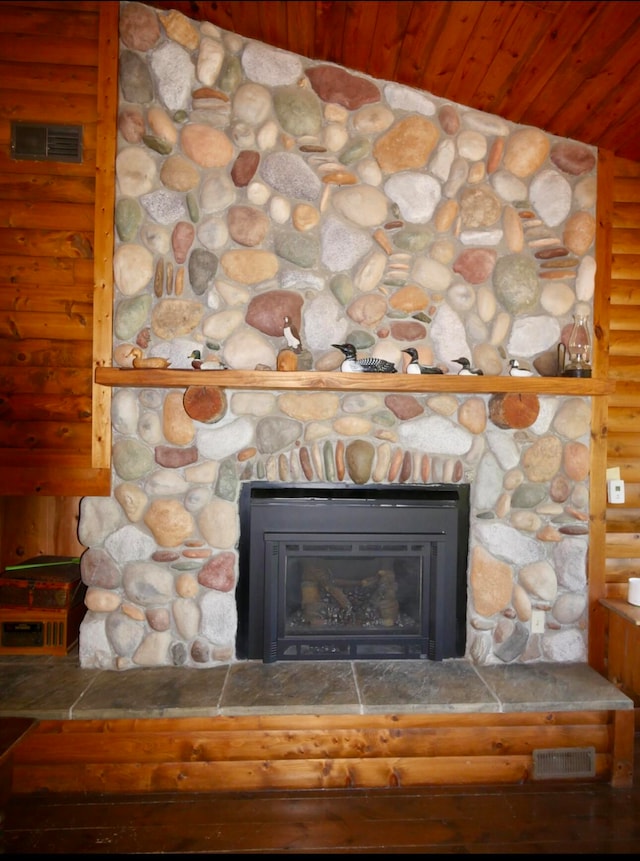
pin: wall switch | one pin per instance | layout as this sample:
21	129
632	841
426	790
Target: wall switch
537	621
615	490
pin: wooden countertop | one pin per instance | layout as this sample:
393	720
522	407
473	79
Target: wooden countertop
623	608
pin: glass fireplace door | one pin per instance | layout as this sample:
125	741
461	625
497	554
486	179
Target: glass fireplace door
350	597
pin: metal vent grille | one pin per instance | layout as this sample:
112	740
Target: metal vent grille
564	762
41	142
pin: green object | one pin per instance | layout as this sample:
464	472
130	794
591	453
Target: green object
70	560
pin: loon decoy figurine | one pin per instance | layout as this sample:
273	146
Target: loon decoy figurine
141	361
466	370
292	335
414	366
200	364
518	370
367	365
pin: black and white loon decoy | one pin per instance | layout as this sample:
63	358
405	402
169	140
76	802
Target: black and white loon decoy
292	335
367	365
414	366
201	364
466	370
518	370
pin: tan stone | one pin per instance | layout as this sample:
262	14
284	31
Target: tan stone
304	217
575	461
310	406
579	232
101	600
472	415
407	145
177	425
187	585
178	174
249	266
541	461
526	151
491	582
206	146
169	522
410	299
180	29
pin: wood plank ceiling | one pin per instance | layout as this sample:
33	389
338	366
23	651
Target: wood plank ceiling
569	68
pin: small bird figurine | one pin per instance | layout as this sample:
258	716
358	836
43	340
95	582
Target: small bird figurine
292	335
518	370
199	364
367	365
414	366
466	370
142	361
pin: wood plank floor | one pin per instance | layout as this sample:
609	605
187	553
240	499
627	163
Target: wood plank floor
544	817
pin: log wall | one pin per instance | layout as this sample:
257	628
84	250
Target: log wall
248	753
57	63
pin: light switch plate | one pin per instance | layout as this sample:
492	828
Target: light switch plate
537	621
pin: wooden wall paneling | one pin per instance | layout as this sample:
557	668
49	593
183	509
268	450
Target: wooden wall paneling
623	441
58	64
104	227
245	753
598	463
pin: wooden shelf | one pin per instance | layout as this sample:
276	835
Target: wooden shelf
337	381
629	612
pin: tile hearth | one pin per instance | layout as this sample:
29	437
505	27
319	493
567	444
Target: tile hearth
57	688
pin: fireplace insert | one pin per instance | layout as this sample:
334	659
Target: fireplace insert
352	572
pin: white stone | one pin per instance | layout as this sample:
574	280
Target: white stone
219	617
406	99
210	59
221	441
129	543
434	434
550	196
415	194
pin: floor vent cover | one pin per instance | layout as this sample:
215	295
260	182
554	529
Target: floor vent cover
564	762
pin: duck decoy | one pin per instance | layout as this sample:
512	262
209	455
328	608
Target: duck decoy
200	364
518	370
414	366
370	365
142	361
292	335
466	370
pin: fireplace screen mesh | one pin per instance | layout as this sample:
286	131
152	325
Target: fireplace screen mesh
355	598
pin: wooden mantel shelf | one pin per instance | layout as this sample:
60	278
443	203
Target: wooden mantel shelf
337	381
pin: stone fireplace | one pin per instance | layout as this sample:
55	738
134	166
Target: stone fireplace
254	186
352	572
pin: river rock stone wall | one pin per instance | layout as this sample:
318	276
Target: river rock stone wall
254	185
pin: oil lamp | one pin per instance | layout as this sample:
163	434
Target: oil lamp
578	352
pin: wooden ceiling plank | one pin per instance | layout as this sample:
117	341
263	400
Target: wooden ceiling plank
360	36
394	25
476	55
582	64
510	56
328	36
550	52
437	62
300	29
272	17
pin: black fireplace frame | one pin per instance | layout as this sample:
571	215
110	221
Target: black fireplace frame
435	513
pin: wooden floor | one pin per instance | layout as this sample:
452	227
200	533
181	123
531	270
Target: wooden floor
544	817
